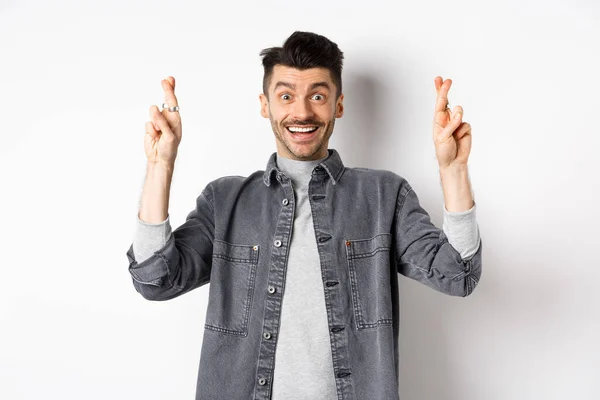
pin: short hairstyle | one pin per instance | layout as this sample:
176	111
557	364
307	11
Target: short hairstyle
303	50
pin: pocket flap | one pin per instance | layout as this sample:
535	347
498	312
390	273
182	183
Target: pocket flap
368	247
235	252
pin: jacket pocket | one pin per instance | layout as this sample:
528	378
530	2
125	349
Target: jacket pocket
231	287
369	271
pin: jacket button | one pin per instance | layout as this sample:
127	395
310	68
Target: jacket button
267	335
285	202
271	289
262	381
277	243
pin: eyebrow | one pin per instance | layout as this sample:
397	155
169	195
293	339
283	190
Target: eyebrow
293	87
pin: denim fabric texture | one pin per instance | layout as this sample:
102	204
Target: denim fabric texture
369	227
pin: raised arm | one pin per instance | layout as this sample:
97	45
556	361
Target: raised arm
181	260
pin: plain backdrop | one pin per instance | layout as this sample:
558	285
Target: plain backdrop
78	78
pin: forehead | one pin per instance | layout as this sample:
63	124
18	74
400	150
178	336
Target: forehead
300	78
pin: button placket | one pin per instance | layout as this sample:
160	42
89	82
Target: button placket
276	277
320	205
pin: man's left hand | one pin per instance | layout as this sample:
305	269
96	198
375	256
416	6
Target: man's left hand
451	136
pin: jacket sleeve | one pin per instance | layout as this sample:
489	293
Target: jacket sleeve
423	252
184	262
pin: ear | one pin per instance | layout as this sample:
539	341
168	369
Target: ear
339	107
264	105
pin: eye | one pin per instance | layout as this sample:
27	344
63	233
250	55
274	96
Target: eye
318	97
285	97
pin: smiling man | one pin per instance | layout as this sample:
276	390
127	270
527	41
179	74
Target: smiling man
303	110
303	257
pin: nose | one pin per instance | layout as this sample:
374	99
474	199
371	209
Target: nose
302	109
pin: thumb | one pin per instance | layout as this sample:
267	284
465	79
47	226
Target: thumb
163	125
454	122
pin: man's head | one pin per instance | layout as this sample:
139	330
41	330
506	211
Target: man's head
302	91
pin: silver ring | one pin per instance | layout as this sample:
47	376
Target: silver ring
171	109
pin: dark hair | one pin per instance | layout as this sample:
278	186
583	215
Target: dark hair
303	50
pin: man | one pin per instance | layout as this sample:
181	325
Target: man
302	257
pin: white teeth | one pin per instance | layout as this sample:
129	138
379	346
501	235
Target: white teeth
296	129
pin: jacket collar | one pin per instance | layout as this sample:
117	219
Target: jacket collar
332	164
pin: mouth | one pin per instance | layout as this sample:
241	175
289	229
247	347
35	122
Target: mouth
302	132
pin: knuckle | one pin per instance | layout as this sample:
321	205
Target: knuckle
170	139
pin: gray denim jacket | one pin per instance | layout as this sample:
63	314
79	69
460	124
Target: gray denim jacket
369	227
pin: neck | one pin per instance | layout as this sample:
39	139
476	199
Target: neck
299	171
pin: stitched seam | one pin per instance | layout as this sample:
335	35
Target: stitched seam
355	296
370	254
249	297
401	208
380	322
155	282
209	201
225	330
329	172
415	266
233	259
371	238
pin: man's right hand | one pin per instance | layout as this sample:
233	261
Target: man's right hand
163	131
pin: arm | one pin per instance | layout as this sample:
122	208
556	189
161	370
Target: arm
460	225
184	262
424	253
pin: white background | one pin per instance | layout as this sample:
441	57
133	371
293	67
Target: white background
77	82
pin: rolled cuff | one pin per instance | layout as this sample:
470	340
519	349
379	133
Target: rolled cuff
155	269
150	237
462	231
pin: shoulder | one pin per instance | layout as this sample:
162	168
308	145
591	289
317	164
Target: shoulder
375	176
232	183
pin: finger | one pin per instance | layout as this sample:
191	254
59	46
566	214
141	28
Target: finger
151	112
150	130
438	82
463	129
457	110
452	125
159	119
441	119
169	89
442	98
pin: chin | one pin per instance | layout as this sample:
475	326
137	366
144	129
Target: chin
306	153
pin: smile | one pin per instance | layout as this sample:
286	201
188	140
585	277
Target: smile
297	129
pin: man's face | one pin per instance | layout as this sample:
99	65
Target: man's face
302	108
